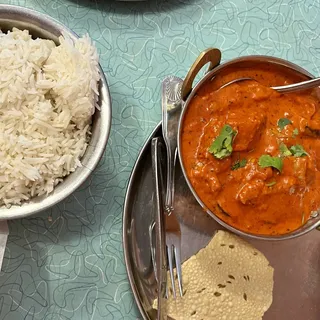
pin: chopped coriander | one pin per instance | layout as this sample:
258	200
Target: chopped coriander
270	184
298	151
282	122
284	151
268	161
295	132
239	164
221	147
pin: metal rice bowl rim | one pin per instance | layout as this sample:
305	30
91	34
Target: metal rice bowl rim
313	222
41	25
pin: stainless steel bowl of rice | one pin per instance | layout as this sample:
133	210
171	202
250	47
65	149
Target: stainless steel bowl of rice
55	111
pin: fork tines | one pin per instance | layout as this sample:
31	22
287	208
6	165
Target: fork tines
173	241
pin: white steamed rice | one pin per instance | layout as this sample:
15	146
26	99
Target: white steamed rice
48	95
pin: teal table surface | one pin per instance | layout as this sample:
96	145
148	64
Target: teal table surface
67	262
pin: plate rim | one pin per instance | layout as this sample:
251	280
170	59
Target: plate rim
125	225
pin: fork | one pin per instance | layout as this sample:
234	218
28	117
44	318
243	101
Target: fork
173	244
171	109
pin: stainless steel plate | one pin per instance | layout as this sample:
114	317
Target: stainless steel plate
296	262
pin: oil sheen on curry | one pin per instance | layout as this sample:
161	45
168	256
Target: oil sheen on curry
252	154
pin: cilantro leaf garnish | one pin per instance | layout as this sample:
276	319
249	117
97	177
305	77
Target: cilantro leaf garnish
282	122
284	151
221	147
295	132
239	164
268	161
298	151
270	184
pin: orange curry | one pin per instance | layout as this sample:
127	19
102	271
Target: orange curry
269	183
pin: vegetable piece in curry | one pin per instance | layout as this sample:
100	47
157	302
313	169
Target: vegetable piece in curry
251	154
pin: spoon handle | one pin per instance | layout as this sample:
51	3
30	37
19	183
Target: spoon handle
308	84
171	109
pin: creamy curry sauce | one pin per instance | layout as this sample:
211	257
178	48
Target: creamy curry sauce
255	199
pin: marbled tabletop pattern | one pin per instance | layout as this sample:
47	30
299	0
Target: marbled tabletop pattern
67	262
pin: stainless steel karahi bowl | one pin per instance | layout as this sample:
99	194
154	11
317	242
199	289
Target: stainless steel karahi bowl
213	57
43	26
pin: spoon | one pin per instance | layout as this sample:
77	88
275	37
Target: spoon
308	84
